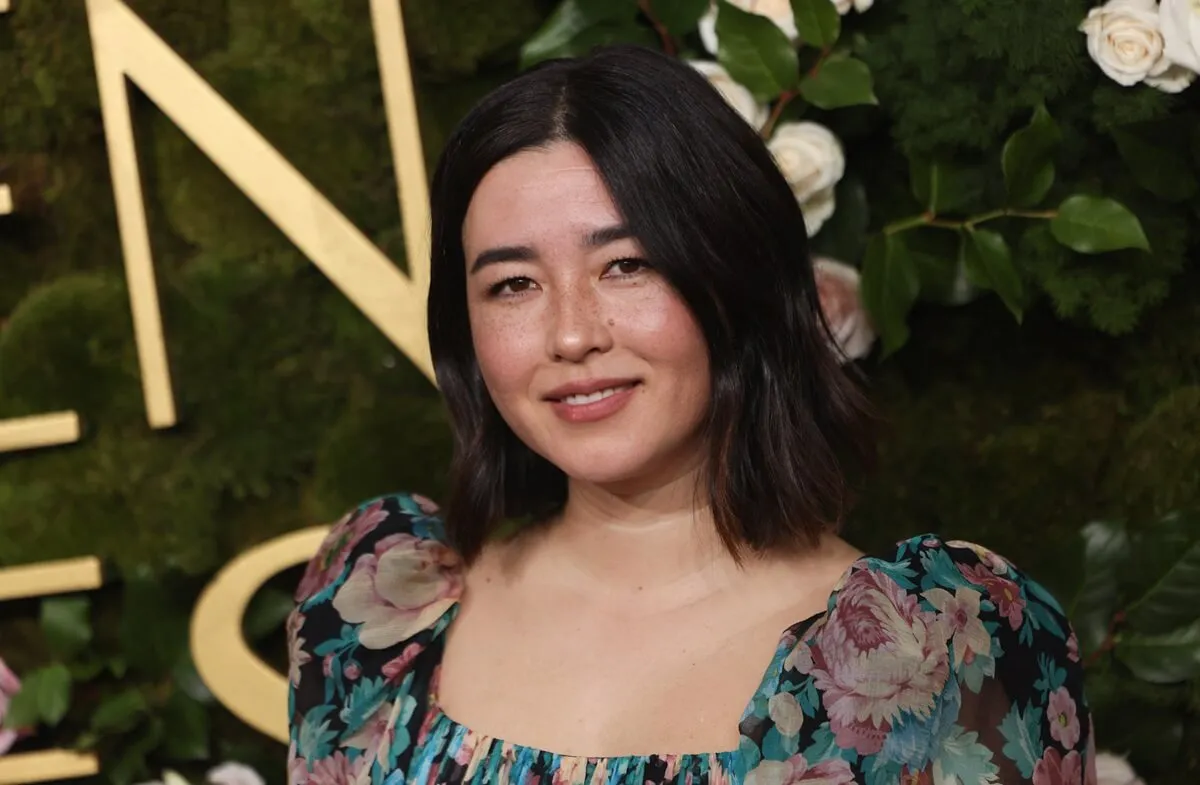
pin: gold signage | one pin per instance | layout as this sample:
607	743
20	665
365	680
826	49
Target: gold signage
127	50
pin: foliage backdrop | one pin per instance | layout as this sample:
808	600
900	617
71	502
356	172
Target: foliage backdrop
294	407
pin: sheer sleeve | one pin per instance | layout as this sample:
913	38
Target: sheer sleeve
351	639
1015	667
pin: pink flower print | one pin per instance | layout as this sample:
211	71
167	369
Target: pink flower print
994	561
376	735
1064	721
297	771
337	769
399	590
352	671
1073	647
297	656
796	770
327	666
10	685
1004	593
395	669
960	613
327	565
877	656
426	505
1054	769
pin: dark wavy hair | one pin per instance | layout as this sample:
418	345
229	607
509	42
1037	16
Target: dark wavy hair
787	429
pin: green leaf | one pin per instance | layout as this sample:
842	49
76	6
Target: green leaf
1092	224
131	765
45	696
942	186
571	19
154	625
840	81
989	265
680	17
844	235
755	52
1160	168
186	729
1027	160
1162	659
1105	552
1174	598
817	21
889	288
119	713
67	625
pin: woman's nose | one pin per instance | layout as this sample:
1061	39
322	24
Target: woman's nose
579	326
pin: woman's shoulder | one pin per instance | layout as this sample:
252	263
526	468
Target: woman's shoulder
979	597
387	565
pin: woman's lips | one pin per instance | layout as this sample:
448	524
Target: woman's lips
595	410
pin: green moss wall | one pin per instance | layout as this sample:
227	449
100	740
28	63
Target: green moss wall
293	406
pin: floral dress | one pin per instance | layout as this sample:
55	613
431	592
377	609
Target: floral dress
939	663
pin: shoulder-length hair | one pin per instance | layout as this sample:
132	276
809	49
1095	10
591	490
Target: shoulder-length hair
786	427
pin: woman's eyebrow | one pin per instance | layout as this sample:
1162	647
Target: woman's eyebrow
524	253
606	235
504	253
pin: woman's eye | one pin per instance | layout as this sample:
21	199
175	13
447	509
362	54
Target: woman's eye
510	286
628	267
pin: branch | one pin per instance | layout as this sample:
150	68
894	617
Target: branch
668	43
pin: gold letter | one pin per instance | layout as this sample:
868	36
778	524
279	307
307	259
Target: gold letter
243	683
124	47
39	580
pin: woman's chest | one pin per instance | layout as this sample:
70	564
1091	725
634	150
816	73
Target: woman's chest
606	685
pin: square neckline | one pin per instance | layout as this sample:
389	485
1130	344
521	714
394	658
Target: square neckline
788	639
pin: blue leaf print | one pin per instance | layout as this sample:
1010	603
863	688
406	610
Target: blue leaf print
1044	596
776	746
363	701
882	773
315	739
1023	738
1052	676
964	757
913	739
1042	617
941	571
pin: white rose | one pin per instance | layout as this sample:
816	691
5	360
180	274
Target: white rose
817	209
1124	40
234	774
737	96
786	713
838	288
778	11
1114	770
811	160
1179	21
1175	79
844	6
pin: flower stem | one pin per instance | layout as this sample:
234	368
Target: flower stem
931	220
668	43
784	99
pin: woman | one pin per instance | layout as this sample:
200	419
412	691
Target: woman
624	324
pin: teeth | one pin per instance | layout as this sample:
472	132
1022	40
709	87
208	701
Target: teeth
579	400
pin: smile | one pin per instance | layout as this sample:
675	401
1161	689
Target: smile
600	395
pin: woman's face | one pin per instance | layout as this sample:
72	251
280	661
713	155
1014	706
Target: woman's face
591	357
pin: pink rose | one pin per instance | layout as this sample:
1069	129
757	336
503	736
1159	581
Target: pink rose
796	770
10	685
877	656
838	289
1064	722
1004	593
399	590
297	656
297	769
327	565
395	669
1054	769
337	769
